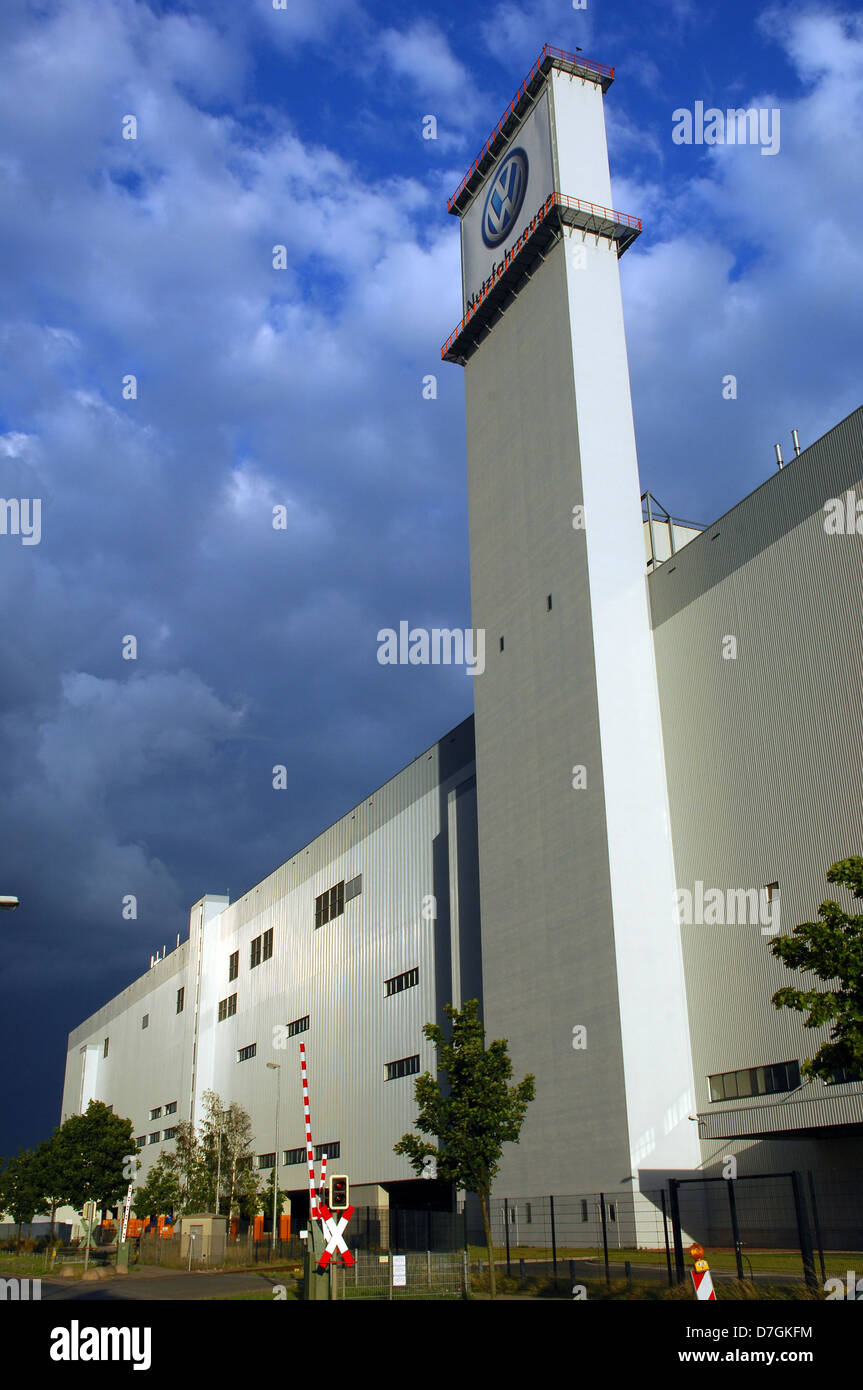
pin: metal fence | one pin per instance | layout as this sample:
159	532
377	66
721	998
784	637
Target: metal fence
415	1275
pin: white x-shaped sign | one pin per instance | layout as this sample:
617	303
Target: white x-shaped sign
334	1232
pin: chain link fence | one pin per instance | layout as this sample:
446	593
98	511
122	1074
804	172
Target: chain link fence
415	1275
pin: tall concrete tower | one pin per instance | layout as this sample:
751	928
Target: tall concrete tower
582	964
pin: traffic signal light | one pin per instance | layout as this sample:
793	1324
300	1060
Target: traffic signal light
339	1194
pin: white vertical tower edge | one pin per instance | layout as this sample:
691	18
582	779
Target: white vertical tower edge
654	1024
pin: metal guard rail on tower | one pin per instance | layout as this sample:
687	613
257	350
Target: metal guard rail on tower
548	58
600	221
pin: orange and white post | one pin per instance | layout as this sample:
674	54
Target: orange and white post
701	1274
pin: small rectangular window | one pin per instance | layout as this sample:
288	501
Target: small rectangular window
246	1053
293	1156
171	1109
353	888
527	1213
145	1021
405	1066
299	1025
267	948
233	965
141	1140
181	999
332	1150
255	953
406	980
157	1113
170	1134
227	1007
330	904
155	1137
105	1047
584	1213
266	1161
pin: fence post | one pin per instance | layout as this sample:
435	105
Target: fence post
506	1224
803	1232
553	1241
817	1224
674	1202
466	1273
604	1236
665	1231
735	1228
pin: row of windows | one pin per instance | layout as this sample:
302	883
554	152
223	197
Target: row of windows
171	1109
156	1137
295	1156
755	1081
406	980
299	1025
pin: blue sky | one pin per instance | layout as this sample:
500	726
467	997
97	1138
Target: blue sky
303	387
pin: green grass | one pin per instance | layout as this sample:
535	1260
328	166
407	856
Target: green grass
837	1262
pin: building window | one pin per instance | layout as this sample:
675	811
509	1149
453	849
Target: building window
255	953
155	1137
842	1076
105	1047
171	1109
267	944
405	1066
612	1214
157	1113
227	1007
332	1150
233	965
406	980
330	904
353	888
528	1216
145	1021
246	1053
141	1140
583	1209
170	1134
548	601
754	1081
266	1160
299	1025
181	999
293	1156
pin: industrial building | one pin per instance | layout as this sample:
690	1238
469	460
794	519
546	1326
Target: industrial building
662	707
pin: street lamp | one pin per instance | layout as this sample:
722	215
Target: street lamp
277	1067
8	904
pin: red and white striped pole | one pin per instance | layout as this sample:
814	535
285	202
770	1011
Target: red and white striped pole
310	1153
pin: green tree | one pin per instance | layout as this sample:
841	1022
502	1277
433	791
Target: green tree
832	950
49	1170
474	1117
92	1152
227	1139
21	1192
161	1192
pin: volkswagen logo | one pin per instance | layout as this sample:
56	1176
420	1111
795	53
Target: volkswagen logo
504	198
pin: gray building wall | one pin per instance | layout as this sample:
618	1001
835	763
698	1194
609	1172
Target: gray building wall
765	775
548	943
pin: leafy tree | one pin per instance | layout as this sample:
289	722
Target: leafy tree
477	1115
227	1138
49	1170
91	1154
160	1193
832	950
21	1192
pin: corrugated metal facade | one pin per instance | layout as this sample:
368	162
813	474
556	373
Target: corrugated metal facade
764	753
